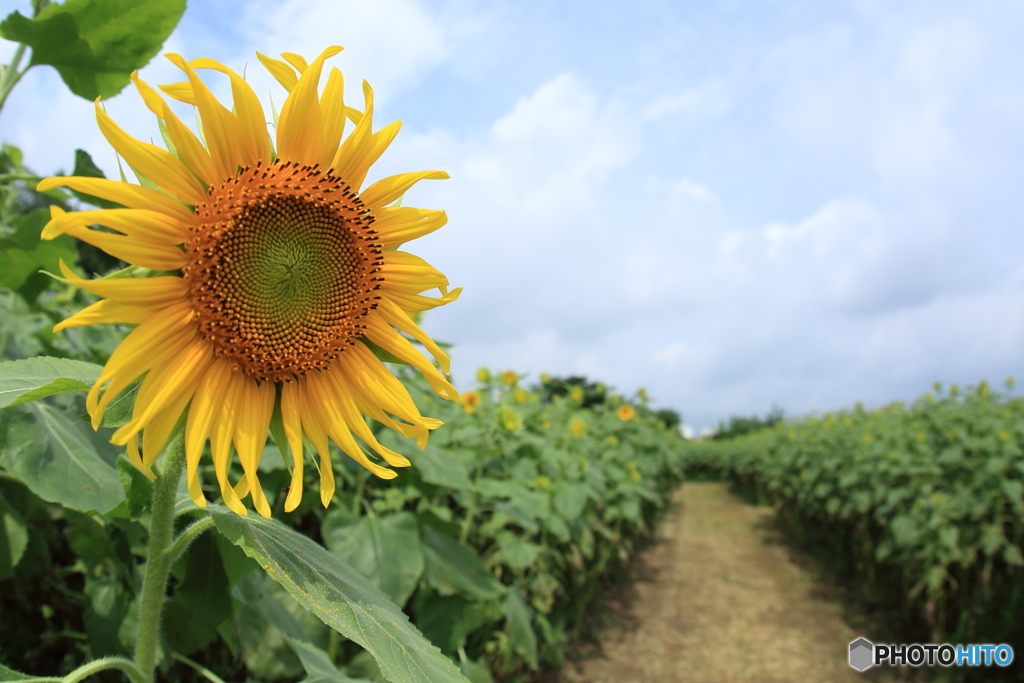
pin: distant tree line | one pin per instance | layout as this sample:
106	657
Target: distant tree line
738	425
595	393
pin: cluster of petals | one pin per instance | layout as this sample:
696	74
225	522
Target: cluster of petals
183	375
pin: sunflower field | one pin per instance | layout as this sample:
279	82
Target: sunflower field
919	507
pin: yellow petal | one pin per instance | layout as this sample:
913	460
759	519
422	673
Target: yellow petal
220	126
147	292
166	384
188	147
414	302
181	92
355	421
253	138
153	227
384	336
332	104
221	433
159	429
132	250
281	71
291	414
325	402
397	225
252	423
159	165
300	128
387	190
205	404
106	312
132	196
317	434
347	161
298	61
397	317
410	274
145	345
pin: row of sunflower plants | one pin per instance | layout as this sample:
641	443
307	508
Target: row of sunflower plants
920	506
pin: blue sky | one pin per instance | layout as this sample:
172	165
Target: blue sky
732	204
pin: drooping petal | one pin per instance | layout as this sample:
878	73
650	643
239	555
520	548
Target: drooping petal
206	402
382	334
221	433
395	316
291	415
251	425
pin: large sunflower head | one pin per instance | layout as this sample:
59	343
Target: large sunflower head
273	280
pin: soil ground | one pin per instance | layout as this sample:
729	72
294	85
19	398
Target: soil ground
718	598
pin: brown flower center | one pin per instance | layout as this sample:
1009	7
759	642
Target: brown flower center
281	270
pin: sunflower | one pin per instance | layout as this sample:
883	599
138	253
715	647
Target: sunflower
272	280
625	412
470	400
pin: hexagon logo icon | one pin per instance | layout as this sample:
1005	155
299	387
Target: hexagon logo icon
862	653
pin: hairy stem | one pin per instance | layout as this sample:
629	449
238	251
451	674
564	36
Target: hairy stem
97	665
158	561
186	537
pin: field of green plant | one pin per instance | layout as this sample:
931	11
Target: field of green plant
920	506
493	542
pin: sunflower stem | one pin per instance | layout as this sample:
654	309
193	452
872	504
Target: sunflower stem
11	74
158	559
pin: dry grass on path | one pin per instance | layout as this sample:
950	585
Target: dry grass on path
719	601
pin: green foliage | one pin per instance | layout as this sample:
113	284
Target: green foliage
741	426
920	507
95	44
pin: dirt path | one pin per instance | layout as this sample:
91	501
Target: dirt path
719	601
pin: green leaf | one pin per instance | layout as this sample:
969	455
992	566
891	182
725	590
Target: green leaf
519	625
447	619
340	597
318	666
517	552
570	499
476	672
26	380
23	253
453	567
13	539
96	44
119	411
449	469
202	600
86	168
386	550
59	458
137	487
